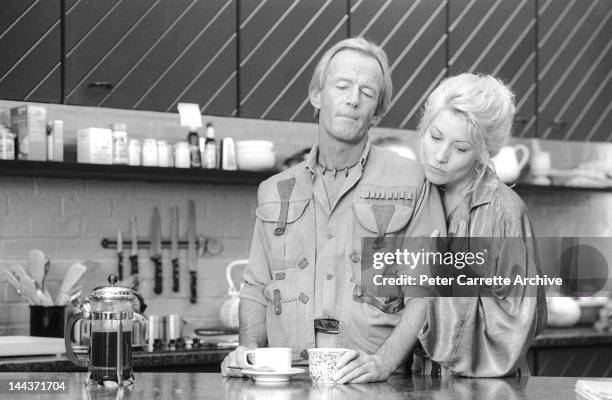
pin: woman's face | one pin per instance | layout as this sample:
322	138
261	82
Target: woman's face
449	153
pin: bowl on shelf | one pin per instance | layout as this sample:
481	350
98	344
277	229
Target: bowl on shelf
254	145
255	160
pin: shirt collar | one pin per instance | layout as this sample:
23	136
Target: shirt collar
311	159
483	193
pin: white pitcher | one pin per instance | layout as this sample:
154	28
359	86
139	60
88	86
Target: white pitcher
507	164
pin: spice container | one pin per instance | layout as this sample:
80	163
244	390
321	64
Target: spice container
7	144
120	144
134	152
182	155
162	154
149	153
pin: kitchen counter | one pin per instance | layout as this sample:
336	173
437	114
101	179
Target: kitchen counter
209	359
576	336
154	385
204	360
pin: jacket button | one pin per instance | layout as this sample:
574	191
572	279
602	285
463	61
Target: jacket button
355	257
304	354
303	263
330	277
303	298
330	235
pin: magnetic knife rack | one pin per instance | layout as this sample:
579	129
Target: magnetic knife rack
203	244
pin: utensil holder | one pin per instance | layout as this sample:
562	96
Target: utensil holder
47	321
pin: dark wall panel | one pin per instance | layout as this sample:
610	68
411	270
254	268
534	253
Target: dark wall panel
574	58
30	50
281	41
413	35
497	37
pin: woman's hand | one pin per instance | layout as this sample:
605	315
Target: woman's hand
358	367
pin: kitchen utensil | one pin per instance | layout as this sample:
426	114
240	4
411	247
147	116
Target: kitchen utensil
47	266
37	265
134	252
112	319
27	286
174	238
156	250
119	255
228	313
74	273
14	282
191	251
507	164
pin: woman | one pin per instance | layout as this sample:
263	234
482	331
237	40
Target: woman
466	120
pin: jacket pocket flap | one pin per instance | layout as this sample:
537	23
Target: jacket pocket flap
287	290
400	218
270	212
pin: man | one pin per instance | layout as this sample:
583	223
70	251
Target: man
303	282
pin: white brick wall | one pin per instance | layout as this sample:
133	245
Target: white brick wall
68	218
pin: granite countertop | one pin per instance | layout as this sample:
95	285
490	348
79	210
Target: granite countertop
179	386
140	359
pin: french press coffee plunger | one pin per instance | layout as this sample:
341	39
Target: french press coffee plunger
112	319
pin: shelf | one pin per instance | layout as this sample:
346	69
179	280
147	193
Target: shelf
69	170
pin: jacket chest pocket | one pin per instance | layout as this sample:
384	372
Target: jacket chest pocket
288	231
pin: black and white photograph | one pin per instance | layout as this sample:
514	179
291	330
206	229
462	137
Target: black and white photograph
306	199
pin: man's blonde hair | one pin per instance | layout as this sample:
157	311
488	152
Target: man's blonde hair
363	46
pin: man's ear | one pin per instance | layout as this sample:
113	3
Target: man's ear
315	98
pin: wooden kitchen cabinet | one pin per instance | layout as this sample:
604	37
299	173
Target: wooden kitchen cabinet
280	44
574	70
498	37
30	50
149	55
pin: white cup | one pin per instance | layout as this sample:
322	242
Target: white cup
273	359
322	363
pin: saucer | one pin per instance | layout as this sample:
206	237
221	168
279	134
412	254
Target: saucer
272	376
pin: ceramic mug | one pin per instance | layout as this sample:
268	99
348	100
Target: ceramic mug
322	363
273	359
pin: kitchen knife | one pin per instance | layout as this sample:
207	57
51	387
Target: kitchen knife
156	250
134	252
174	233
119	255
191	250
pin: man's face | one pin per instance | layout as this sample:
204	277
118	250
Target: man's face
348	100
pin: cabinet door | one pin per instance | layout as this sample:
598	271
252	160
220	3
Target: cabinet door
497	37
280	44
30	50
150	55
574	70
413	34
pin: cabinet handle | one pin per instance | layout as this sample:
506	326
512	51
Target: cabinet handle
105	85
558	123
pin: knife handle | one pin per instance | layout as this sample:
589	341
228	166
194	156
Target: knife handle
194	290
157	288
133	264
175	275
120	266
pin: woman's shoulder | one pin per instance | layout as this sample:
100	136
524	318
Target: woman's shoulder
510	211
